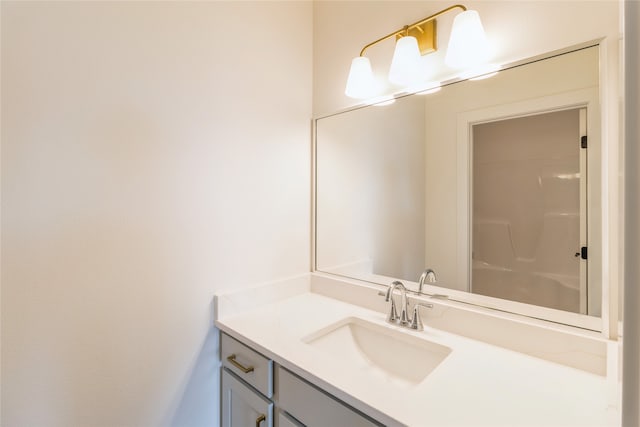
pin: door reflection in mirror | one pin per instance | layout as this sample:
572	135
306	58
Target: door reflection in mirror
527	222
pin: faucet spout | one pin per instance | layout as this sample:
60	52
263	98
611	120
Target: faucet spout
427	276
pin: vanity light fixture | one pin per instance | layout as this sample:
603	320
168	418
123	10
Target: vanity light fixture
467	50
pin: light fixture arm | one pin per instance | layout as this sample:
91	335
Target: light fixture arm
406	28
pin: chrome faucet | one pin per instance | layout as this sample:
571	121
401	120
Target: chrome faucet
414	322
429	276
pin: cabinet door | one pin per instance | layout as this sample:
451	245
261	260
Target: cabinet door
242	406
285	420
315	407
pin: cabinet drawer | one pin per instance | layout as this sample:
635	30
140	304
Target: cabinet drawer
248	364
314	407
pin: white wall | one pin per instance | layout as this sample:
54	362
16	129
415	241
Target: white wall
152	155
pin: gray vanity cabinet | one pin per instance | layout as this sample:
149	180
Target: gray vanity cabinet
251	396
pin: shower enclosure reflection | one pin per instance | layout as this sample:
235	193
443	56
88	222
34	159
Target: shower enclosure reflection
425	183
528	228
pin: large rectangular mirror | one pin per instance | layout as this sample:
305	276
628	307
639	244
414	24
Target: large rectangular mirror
494	184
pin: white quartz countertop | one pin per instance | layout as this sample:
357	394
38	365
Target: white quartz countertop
476	385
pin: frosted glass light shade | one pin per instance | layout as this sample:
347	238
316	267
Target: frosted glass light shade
468	45
406	64
360	83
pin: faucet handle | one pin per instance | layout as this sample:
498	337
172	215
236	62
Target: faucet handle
404	319
393	313
416	320
392	317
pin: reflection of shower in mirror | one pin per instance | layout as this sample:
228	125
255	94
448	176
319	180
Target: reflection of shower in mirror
527	221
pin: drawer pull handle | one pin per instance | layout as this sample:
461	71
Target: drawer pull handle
260	419
234	362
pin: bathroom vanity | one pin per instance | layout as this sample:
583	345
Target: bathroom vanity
316	350
521	326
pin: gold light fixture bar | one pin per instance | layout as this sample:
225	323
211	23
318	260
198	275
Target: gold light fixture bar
426	35
424	31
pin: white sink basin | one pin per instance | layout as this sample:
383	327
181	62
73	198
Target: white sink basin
384	352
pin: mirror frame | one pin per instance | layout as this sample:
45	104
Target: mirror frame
608	323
